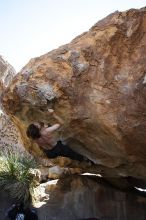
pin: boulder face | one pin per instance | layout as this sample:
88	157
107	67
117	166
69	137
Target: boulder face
97	84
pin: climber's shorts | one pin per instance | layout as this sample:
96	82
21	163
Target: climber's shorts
63	150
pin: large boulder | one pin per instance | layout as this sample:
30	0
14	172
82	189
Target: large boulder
97	84
81	197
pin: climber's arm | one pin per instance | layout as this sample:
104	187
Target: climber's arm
57	125
52	128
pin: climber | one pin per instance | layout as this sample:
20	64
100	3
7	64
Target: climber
44	136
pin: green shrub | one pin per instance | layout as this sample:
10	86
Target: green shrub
15	177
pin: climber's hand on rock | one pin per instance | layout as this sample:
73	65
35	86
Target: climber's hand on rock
50	110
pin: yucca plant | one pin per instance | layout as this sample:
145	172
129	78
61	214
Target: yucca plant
15	177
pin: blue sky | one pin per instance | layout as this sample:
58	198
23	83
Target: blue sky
30	28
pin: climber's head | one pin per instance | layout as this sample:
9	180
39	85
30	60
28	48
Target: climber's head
33	131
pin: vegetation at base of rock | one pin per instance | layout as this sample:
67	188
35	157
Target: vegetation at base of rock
15	176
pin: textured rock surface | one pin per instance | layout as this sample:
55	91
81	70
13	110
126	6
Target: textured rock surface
97	84
78	197
7	72
9	134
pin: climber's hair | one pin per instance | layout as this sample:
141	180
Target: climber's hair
33	132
